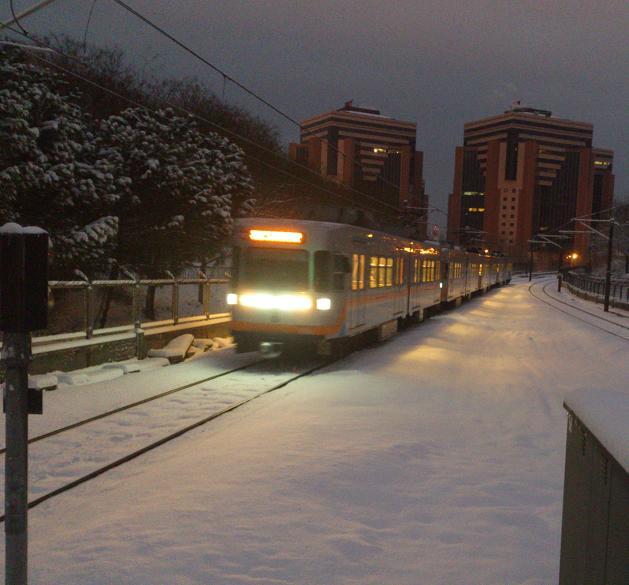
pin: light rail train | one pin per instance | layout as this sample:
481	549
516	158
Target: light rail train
317	285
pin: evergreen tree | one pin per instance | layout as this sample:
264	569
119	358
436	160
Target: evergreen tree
185	188
51	173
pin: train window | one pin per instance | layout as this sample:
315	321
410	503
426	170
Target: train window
361	272
373	272
355	269
399	271
274	267
382	265
358	272
389	272
322	272
428	270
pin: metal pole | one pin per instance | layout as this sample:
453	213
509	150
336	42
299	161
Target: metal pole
16	355
530	263
608	273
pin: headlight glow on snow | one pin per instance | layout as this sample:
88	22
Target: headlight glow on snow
282	302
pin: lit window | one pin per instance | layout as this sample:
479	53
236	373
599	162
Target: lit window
373	272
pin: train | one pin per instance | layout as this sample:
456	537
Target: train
300	285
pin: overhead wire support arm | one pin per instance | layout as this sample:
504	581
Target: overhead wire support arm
17	17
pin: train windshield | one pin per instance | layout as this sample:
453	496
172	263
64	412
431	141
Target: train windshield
273	268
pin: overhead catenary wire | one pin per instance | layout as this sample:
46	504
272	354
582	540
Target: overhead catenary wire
16	19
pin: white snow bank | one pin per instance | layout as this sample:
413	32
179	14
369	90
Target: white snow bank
606	415
88	376
135	365
224	341
204	344
175	350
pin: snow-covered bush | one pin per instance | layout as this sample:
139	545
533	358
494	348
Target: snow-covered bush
186	186
51	173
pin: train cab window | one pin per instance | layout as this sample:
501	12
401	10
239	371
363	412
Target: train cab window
340	269
322	272
273	267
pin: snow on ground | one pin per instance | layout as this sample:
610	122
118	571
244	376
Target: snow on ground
435	458
615	314
69	404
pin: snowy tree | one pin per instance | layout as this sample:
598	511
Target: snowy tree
51	173
186	187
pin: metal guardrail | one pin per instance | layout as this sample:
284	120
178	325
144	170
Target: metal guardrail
95	299
595	286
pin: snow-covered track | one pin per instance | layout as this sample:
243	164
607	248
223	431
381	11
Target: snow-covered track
598	322
134	404
55	471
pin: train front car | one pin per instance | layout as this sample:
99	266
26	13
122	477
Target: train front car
287	290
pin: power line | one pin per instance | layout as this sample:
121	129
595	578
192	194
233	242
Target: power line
15	18
204	60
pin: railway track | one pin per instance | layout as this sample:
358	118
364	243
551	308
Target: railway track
73	455
119	409
612	328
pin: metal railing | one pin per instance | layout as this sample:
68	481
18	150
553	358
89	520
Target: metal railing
86	306
594	286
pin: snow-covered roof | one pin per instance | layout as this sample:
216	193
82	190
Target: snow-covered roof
606	414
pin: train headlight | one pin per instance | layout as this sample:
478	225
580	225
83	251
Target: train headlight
324	304
232	299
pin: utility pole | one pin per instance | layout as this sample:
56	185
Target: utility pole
608	272
23	308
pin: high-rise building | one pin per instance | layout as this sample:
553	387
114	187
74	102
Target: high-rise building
523	173
360	148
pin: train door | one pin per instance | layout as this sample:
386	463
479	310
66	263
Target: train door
357	306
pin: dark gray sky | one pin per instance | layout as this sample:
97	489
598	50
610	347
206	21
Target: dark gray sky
437	62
